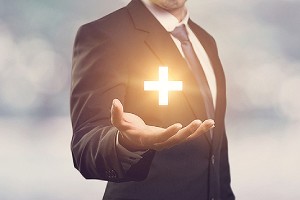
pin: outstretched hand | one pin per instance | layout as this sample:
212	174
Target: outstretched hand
136	135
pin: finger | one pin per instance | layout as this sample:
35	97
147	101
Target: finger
116	112
180	136
205	126
157	134
166	134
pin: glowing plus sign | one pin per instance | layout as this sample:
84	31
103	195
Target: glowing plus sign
163	86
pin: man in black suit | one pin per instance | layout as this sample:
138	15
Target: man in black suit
121	134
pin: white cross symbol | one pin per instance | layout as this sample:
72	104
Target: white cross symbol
163	86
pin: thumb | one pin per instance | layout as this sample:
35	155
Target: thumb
116	112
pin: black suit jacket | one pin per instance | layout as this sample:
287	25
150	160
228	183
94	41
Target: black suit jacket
113	56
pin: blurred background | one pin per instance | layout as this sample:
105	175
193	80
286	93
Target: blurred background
259	46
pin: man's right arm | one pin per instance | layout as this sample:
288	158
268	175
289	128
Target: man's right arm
99	75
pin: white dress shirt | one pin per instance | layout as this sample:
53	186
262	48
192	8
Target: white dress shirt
170	22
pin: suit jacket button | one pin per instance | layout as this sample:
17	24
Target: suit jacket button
114	174
111	174
213	160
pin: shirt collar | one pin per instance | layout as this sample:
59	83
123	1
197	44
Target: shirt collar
166	19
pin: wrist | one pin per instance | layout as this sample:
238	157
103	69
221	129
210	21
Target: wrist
128	144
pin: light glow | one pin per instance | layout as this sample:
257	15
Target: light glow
163	86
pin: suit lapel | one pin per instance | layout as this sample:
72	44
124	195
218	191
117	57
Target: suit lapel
164	48
168	54
212	53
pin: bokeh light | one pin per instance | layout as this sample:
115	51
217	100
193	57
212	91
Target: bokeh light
259	46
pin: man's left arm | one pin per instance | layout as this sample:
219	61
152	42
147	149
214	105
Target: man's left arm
225	180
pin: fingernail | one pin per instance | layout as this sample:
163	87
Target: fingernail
114	103
212	121
179	125
198	121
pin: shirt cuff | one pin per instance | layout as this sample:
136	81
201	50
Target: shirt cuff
127	158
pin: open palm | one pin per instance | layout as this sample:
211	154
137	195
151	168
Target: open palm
136	134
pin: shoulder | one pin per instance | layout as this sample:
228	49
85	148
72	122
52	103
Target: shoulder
201	32
109	32
106	22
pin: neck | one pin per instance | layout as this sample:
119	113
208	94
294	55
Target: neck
177	10
179	13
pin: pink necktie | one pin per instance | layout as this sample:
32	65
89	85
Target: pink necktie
195	66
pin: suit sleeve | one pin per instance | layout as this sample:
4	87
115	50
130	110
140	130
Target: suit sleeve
225	180
99	75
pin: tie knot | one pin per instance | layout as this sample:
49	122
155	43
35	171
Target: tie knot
180	33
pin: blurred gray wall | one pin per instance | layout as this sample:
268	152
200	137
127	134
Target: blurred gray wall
260	49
